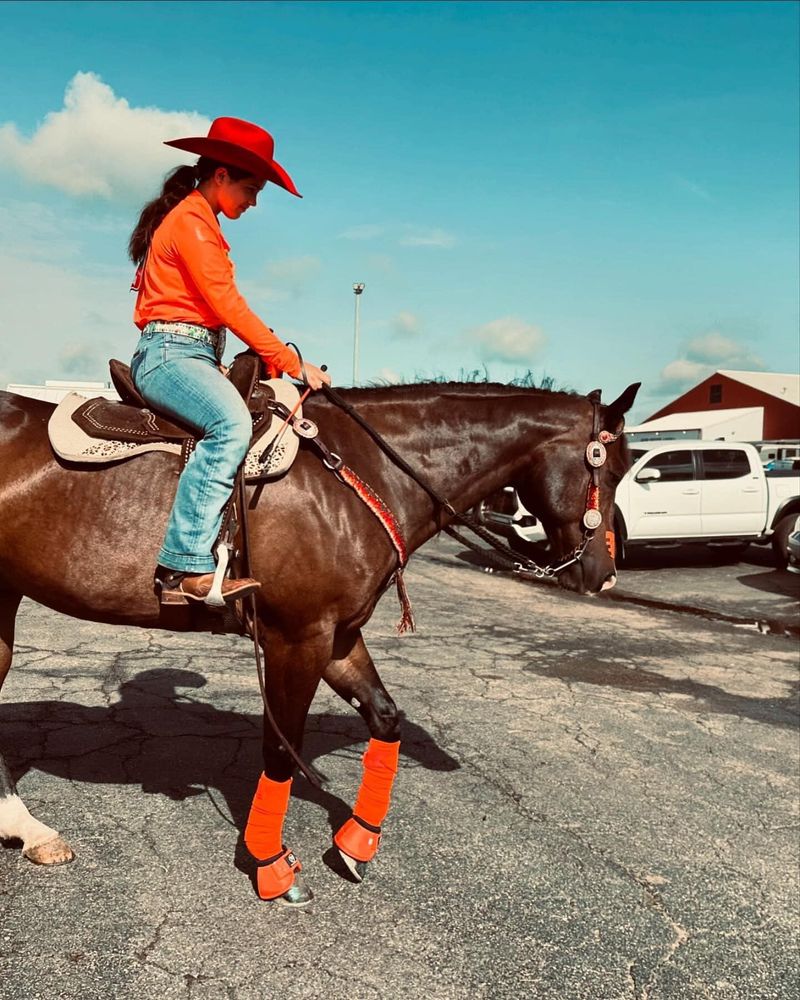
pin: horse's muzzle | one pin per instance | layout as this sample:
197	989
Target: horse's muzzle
588	578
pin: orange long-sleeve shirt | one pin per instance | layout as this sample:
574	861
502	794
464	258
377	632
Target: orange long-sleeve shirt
188	277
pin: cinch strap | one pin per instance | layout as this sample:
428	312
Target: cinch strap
262	835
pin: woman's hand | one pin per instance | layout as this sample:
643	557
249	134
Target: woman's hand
316	377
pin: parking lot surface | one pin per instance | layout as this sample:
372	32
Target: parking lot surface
598	799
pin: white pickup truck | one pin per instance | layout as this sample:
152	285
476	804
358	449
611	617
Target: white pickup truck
710	492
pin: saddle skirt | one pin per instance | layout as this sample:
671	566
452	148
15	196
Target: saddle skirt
101	431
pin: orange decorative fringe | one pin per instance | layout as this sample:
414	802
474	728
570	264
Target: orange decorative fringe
406	623
379	508
368	496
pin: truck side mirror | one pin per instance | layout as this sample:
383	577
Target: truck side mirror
648	475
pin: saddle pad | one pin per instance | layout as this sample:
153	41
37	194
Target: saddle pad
73	444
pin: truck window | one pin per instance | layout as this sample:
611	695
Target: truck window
675	466
725	463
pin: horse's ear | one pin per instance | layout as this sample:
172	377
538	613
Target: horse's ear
615	412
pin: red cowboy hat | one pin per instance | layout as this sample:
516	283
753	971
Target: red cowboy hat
241	144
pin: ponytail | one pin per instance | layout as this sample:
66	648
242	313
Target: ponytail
178	183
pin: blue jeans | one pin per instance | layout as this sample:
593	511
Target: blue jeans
178	376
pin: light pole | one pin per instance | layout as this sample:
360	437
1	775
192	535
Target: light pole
358	288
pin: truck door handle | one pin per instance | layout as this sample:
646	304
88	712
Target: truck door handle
751	489
690	493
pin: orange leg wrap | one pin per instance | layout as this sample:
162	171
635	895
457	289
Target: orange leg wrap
264	829
380	770
611	544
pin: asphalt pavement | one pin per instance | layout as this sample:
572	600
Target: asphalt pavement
598	799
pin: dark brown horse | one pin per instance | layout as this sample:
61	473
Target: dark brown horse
83	539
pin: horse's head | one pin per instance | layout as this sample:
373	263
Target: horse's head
567	493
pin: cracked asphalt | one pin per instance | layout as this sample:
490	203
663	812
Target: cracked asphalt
597	800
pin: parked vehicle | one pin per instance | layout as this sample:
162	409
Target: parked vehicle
771	452
505	515
793	548
706	492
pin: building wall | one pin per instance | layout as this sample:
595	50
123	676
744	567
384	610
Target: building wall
781	418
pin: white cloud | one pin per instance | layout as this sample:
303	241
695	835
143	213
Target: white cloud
701	357
508	339
405	236
33	231
287	279
57	320
381	262
366	232
428	238
683	373
715	348
692	187
405	325
97	145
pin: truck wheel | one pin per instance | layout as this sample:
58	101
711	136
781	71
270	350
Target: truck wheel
478	512
780	539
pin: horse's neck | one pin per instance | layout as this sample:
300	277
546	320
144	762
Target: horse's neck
467	444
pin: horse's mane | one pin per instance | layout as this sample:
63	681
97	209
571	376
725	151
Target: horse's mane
411	390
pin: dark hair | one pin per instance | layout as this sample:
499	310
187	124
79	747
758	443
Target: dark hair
177	185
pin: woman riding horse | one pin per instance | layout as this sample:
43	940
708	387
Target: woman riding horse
187	296
79	539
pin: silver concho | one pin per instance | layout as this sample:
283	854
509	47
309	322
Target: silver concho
305	428
592	519
596	454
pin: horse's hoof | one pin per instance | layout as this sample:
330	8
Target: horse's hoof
52	852
358	869
298	896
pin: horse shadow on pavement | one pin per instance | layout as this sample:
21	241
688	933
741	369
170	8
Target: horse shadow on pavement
157	735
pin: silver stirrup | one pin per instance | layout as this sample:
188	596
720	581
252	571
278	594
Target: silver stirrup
215	598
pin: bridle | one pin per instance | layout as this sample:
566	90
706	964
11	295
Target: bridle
595	457
592	519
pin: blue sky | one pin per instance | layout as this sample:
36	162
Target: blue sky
599	192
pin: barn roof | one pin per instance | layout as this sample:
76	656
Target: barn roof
782	386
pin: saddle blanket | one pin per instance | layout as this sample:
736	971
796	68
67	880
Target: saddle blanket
74	444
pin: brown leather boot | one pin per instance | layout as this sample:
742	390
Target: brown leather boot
177	587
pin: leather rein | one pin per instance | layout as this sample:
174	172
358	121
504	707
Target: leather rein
307	429
595	457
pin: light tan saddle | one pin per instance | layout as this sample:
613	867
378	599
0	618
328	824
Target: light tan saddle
101	430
